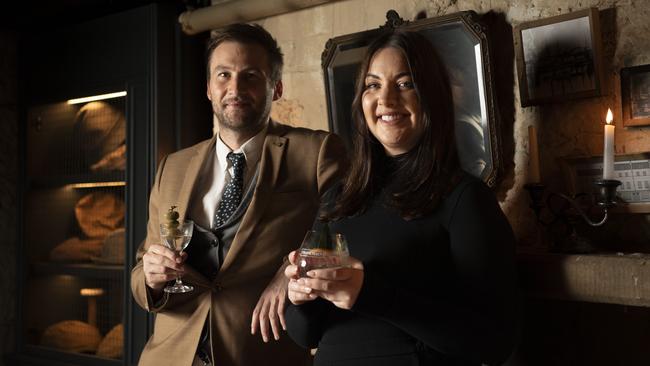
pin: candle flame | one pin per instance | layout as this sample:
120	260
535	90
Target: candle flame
610	116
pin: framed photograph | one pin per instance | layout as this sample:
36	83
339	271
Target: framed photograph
635	94
559	58
461	40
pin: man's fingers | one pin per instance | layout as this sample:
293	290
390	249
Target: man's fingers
154	258
157	261
273	320
162	250
162	269
156	280
281	305
264	325
255	318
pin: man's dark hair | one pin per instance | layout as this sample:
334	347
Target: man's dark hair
247	34
430	169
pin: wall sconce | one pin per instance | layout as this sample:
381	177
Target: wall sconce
559	204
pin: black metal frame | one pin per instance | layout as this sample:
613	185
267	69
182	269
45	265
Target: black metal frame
338	103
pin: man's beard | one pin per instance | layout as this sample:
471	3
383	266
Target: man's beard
242	120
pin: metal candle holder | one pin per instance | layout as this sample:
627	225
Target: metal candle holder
606	199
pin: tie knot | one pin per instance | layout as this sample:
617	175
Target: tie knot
238	160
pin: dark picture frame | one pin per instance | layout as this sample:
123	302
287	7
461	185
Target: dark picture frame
559	58
635	95
461	41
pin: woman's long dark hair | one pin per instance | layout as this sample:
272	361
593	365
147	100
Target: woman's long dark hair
427	172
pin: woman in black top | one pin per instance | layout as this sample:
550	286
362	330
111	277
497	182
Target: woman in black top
431	277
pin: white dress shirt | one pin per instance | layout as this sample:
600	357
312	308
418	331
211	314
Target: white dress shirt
215	175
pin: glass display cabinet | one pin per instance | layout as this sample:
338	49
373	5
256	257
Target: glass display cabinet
75	242
103	101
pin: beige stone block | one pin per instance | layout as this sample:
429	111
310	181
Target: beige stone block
307	56
272	25
288	48
308	88
288	111
317	21
439	8
296	107
279	26
349	17
302	23
376	11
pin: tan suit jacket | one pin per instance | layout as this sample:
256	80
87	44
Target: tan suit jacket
296	167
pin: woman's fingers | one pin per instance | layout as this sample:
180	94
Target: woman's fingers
291	272
293	257
299	294
332	274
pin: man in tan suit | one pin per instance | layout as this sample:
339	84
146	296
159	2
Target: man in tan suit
253	191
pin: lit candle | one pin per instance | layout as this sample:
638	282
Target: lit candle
533	156
608	153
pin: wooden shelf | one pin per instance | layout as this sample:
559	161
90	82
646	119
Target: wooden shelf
53	181
79	269
601	278
41	355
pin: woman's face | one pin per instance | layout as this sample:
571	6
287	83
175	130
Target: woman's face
390	103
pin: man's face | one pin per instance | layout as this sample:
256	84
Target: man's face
240	86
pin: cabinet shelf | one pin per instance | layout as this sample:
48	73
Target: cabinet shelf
37	354
79	269
53	181
622	279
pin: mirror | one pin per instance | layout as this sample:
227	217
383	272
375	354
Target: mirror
462	43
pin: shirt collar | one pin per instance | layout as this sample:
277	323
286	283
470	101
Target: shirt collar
252	150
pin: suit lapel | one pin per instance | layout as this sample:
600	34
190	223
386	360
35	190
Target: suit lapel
269	165
191	176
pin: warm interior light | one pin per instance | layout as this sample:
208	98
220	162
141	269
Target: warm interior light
610	116
97	97
91	292
97	185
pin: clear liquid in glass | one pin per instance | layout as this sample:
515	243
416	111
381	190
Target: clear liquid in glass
177	243
309	259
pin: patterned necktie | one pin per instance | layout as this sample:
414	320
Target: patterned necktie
232	194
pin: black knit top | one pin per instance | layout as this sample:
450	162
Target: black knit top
437	290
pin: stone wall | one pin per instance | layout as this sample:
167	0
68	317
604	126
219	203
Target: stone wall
565	129
8	194
555	332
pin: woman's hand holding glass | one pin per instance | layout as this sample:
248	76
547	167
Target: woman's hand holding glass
339	285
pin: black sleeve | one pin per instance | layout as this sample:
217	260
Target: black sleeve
479	319
305	322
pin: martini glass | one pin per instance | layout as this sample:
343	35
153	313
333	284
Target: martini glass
177	240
